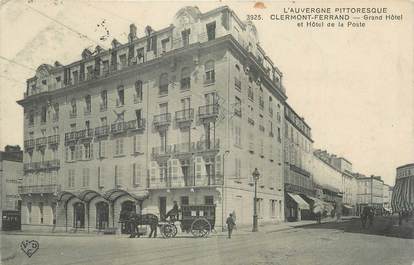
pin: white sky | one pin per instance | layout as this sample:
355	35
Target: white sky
354	86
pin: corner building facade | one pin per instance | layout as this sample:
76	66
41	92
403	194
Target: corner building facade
180	114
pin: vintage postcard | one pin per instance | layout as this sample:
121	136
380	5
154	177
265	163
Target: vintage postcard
206	132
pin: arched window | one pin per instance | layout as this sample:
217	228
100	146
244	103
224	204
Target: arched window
163	84
185	78
209	70
79	215
73	105
138	91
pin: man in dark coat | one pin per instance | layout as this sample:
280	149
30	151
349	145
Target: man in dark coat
173	213
230	225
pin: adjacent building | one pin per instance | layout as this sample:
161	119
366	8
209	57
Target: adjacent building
370	192
185	113
11	174
298	179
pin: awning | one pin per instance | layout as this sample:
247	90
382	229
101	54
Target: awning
316	201
114	194
331	188
88	195
347	206
302	204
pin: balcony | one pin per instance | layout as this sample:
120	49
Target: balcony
161	152
72	114
300	171
119	127
39	189
184	116
208	111
87	111
237	83
184	148
136	124
162	119
186	181
103	107
101	131
84	134
29	144
53	139
40	166
55	117
70	137
205	146
40	142
137	98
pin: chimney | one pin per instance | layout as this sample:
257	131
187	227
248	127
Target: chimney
132	32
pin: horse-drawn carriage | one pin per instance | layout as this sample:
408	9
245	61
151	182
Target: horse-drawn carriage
198	220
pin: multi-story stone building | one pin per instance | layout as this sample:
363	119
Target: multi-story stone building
386	197
182	114
370	192
327	180
11	174
298	152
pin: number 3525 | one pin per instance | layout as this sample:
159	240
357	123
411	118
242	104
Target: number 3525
254	17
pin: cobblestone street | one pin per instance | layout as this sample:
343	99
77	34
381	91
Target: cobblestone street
328	243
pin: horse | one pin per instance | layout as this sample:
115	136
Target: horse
133	220
367	214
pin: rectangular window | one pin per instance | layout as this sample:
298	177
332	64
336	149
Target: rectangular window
102	149
41	206
209	200
31	117
140	55
164	44
43	114
75	77
211	30
120	100
101	179
184	200
105	67
123	60
185	35
88	104
250	93
237	106
136	174
89	72
118	176
85	177
119	146
104	100
137	144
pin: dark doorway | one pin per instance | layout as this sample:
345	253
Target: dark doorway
127	206
163	207
79	215
102	215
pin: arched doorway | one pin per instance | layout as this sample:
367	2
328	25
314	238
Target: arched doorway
79	215
102	215
126	207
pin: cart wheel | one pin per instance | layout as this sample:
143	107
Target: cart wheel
200	227
168	230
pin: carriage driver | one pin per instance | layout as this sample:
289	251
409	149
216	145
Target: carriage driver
173	213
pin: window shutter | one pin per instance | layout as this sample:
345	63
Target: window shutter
138	143
66	154
218	168
121	145
69	178
198	167
120	180
134	173
134	145
174	174
103	148
91	150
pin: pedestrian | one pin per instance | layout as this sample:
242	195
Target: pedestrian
230	225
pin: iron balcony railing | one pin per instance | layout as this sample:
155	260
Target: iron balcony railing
29	144
42	141
38	189
206	111
184	115
136	124
237	83
119	127
162	119
84	134
161	151
207	145
102	130
45	165
70	136
185	181
53	139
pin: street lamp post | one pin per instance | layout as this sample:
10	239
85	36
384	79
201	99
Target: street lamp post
256	176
